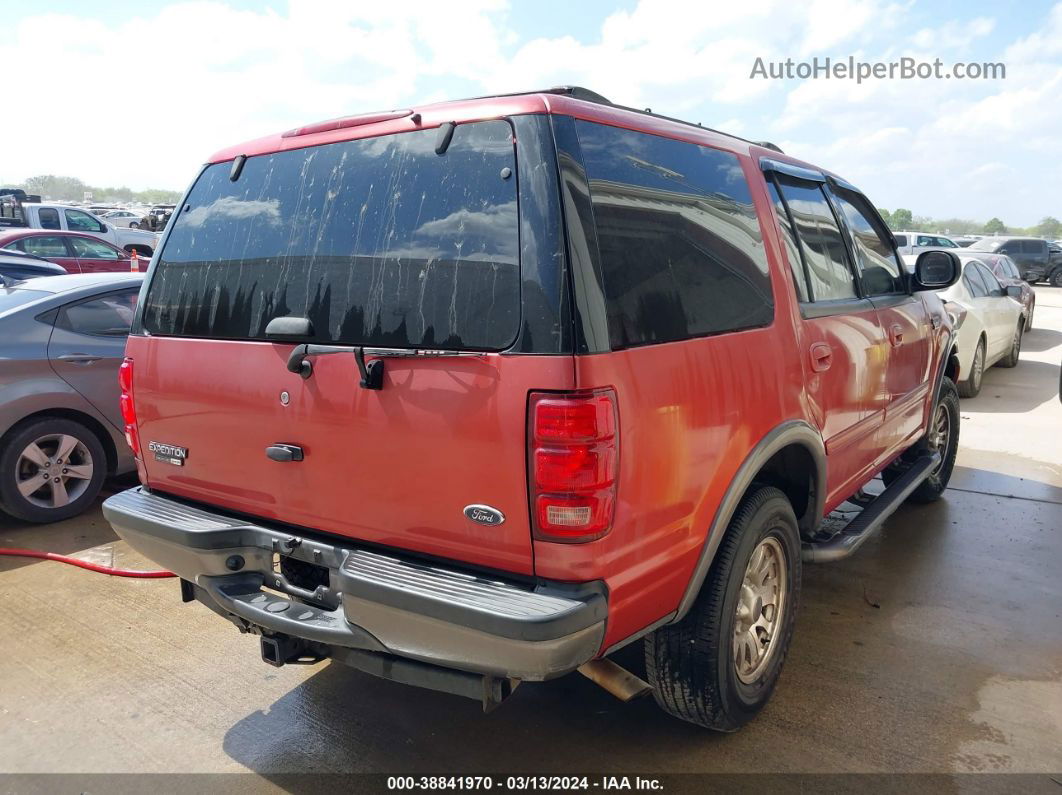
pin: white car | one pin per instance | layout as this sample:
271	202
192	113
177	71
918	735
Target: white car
990	320
123	218
73	219
917	242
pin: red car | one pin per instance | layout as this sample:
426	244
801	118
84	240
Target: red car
480	392
76	252
1006	270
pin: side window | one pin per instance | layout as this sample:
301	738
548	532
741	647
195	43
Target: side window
879	270
108	316
974	282
792	249
681	251
820	238
92	249
82	222
45	246
1033	247
900	240
924	240
1010	268
991	282
49	218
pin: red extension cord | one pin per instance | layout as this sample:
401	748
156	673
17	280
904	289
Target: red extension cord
33	553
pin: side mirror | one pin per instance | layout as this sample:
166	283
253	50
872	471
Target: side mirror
1003	251
935	270
1014	291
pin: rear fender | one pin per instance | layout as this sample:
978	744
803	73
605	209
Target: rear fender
788	433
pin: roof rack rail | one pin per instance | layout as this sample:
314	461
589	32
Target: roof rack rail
578	92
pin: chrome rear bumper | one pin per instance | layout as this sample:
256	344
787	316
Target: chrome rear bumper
377	602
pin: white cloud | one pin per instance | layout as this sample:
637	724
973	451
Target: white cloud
953	35
145	100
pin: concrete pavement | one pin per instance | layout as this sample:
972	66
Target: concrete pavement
937	648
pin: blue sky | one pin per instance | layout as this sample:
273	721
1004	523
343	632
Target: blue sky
232	70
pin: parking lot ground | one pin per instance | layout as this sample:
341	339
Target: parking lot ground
936	648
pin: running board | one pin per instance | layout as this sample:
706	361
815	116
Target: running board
851	538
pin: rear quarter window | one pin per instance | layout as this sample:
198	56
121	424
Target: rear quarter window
379	242
681	250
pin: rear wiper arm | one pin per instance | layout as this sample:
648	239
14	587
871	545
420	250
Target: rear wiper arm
371	372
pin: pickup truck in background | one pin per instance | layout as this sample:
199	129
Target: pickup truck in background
16	211
1036	259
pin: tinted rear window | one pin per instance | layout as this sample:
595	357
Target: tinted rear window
681	250
380	242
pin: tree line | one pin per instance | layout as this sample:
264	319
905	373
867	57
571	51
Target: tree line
901	219
68	189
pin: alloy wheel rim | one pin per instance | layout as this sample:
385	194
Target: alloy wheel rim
978	365
54	470
761	605
940	435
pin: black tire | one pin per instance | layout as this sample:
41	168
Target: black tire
1056	278
691	664
134	225
932	488
971	387
15	468
1011	359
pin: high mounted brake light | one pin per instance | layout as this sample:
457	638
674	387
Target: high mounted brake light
573	459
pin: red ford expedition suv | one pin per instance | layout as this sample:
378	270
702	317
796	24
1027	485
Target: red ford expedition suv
479	392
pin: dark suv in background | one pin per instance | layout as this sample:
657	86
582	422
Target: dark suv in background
1035	258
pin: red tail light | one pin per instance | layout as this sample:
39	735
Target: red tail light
125	381
574	463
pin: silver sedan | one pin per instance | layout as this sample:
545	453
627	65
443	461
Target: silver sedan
62	339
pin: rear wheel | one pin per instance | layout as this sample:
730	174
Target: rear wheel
50	469
971	387
941	437
718	666
1056	278
1011	359
134	225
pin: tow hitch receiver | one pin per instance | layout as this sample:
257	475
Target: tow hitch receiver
278	650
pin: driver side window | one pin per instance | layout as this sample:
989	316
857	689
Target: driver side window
82	222
879	268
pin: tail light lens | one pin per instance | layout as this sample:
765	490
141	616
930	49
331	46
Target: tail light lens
574	464
957	313
125	381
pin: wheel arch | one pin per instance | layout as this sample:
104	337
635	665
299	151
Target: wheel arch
90	422
792	458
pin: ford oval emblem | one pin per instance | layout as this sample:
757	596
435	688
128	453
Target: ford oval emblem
484	514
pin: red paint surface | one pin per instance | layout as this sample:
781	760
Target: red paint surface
395	466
